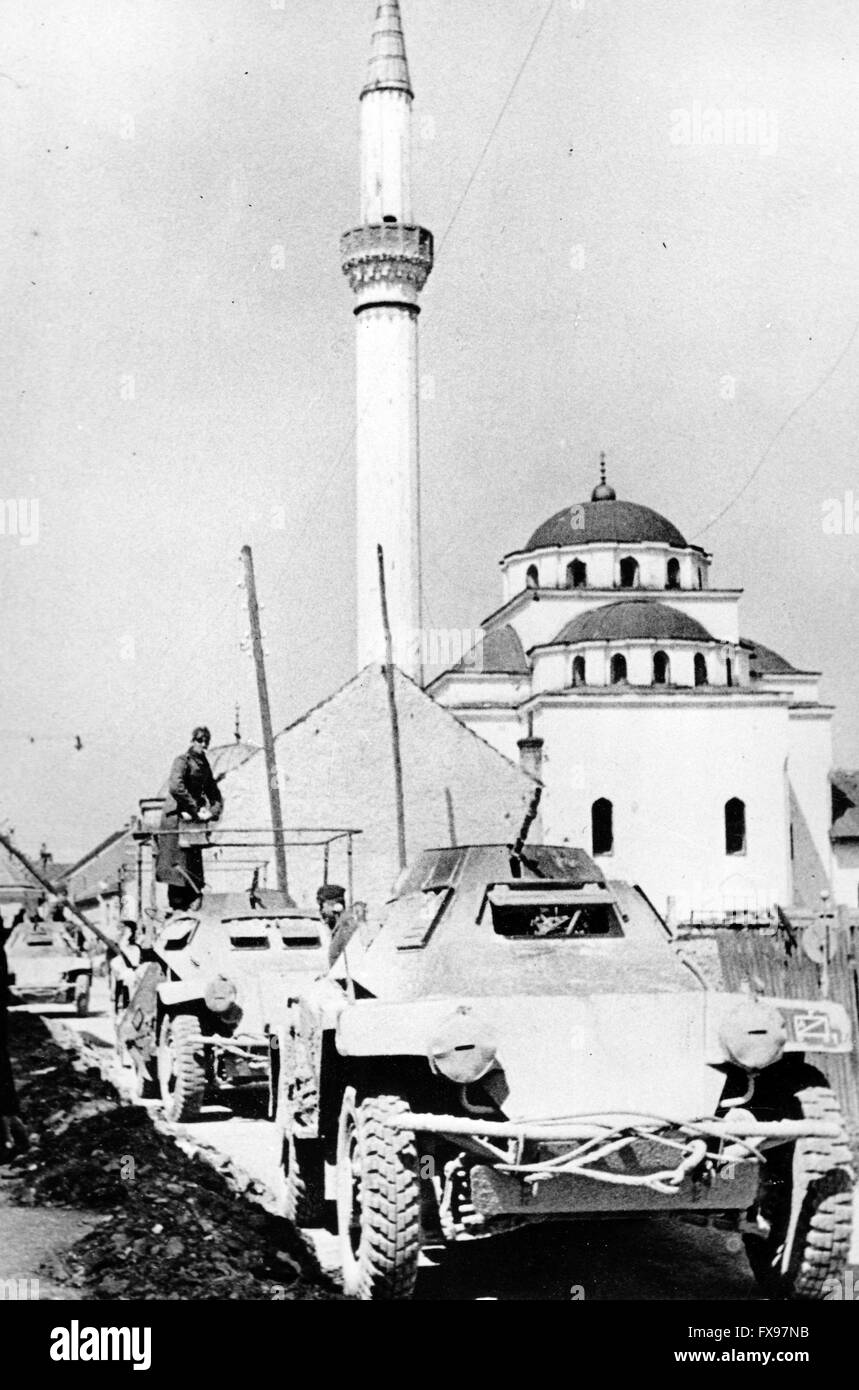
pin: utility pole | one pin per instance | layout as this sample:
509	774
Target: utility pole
392	706
265	721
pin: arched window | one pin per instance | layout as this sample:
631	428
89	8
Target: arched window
579	670
672	580
700	669
618	669
532	577
729	672
577	574
628	572
602	827
735	826
661	668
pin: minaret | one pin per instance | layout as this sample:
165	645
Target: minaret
387	260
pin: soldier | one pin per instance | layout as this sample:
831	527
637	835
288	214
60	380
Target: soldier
332	904
192	796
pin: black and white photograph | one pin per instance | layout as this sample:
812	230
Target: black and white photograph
429	560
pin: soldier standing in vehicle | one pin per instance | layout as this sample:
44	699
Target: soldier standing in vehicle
192	797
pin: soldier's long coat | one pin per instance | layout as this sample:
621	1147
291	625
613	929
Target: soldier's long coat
191	787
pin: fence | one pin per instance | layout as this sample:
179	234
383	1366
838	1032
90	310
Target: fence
773	959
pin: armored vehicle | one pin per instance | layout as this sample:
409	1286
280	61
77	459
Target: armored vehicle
519	1040
47	963
196	1015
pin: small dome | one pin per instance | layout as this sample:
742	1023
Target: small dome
499	653
763	661
630	619
606	519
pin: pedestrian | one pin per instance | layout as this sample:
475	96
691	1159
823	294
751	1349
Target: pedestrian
192	797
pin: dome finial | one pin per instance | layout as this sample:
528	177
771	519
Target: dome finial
602	492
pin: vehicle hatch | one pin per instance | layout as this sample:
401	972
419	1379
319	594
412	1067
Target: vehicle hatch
552	912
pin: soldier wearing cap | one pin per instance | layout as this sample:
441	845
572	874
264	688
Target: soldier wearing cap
332	904
192	795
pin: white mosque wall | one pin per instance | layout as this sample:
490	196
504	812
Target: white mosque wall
809	766
539	619
553	666
668	772
603	566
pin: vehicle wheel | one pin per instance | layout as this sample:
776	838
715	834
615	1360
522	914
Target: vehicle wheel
181	1070
807	1199
378	1199
82	990
304	1182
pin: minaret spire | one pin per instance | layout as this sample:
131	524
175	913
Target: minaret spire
387	260
389	66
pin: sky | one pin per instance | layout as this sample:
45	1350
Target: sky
177	340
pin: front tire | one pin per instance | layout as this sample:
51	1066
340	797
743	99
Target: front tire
304	1182
378	1199
181	1068
807	1199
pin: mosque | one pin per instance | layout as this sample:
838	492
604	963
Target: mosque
614	674
682	754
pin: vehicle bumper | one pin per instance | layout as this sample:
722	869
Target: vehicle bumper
43	994
240	1058
590	1166
495	1193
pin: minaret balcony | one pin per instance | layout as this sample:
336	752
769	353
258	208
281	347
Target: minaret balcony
387	260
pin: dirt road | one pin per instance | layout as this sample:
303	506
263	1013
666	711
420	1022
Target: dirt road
656	1259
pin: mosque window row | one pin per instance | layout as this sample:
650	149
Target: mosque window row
629	575
602	826
661	670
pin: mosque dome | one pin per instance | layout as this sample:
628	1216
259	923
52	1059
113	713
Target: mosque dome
605	518
633	619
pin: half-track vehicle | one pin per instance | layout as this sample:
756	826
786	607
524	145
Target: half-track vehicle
195	1016
519	1040
47	964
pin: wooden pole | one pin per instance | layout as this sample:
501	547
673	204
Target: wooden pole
37	874
265	721
392	706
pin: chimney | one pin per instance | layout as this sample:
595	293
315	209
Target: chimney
531	756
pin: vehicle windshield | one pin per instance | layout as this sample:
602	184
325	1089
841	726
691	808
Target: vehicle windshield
44	937
258	933
549	919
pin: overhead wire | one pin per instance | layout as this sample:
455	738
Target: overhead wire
797	409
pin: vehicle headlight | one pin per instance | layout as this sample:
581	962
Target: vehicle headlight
220	993
464	1048
753	1035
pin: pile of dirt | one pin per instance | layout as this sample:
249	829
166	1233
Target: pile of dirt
172	1226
